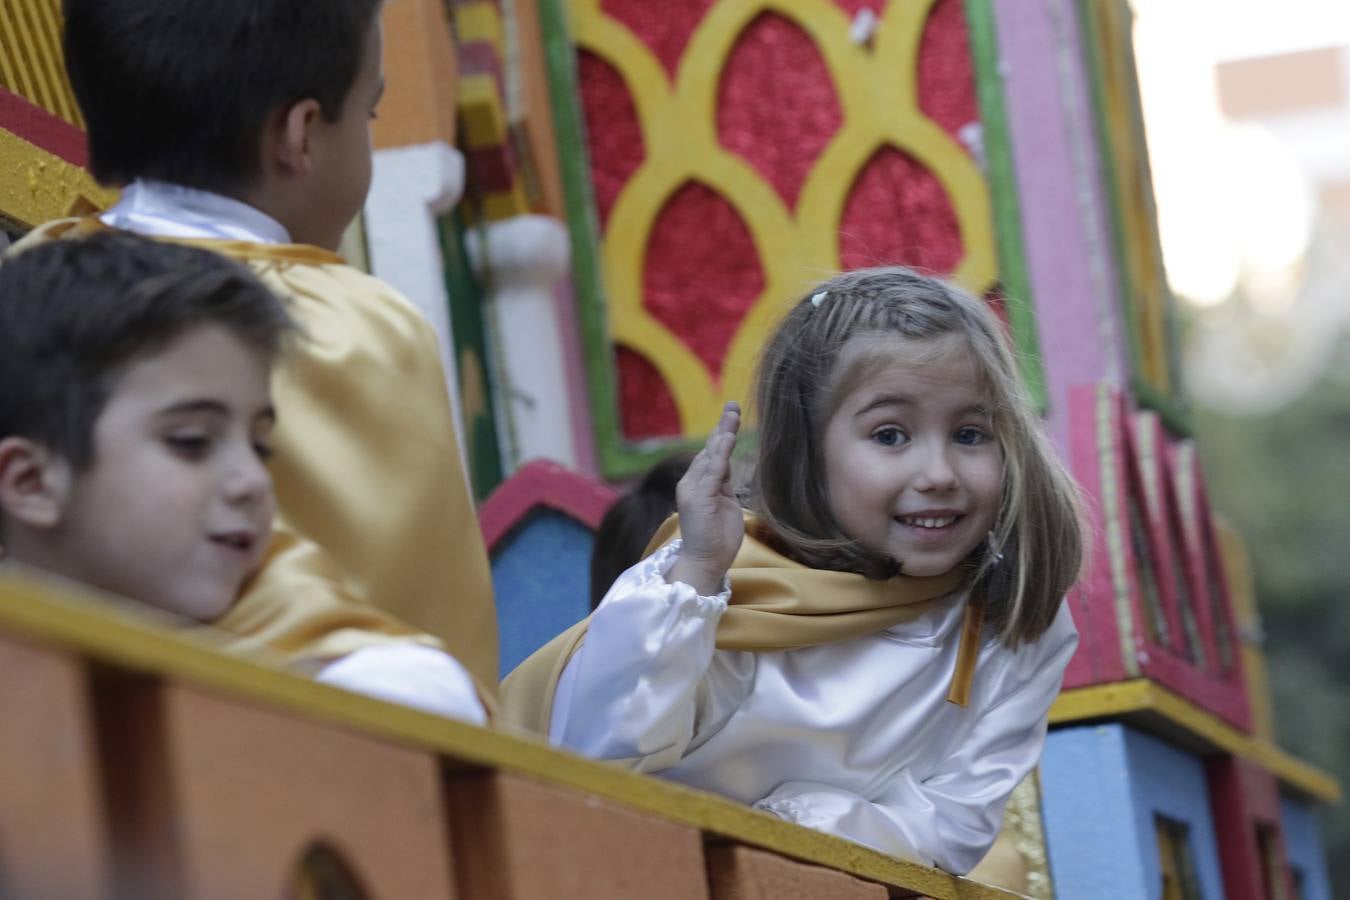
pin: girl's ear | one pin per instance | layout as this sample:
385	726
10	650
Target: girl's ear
34	483
291	136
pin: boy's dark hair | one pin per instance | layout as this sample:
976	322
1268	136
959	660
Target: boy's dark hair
73	313
179	90
628	526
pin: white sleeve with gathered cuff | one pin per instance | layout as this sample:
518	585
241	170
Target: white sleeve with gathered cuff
630	693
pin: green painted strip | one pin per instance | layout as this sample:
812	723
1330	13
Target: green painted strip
1170	407
1175	414
601	378
483	447
1002	178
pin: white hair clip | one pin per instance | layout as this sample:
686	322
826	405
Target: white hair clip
818	298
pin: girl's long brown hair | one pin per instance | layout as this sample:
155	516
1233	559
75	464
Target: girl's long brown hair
1038	529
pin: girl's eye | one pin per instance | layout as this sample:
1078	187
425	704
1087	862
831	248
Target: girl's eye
263	450
971	436
889	436
189	446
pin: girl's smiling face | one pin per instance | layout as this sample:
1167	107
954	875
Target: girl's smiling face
912	467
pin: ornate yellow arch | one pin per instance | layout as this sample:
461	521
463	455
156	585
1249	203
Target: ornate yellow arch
878	95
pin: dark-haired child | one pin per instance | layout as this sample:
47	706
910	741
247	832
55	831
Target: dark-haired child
243	126
136	418
628	525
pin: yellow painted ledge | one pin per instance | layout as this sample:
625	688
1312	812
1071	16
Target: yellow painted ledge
37	186
1153	708
36	613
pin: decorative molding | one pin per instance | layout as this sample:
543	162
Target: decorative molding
32	63
37	186
1155	709
519	261
543	484
410	188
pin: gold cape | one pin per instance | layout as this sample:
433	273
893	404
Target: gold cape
376	539
776	604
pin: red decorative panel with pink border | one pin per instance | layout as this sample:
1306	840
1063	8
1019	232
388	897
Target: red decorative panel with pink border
1154	602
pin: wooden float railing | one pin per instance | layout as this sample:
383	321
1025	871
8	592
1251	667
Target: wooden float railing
140	762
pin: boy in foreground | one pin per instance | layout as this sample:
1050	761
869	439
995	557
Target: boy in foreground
243	126
136	421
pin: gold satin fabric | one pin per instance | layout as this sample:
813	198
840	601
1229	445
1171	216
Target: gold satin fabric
776	604
376	538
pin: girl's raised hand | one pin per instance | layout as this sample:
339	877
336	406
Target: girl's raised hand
711	522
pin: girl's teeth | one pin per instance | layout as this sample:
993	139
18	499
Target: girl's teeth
929	523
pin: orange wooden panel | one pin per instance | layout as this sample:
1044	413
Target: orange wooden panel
51	816
739	873
219	799
420	74
519	840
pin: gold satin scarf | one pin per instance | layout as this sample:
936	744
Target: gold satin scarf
776	604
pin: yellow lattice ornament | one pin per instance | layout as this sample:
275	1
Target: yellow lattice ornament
878	96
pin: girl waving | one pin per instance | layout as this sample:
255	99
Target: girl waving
872	648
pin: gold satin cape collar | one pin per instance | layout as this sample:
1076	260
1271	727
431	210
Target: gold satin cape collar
239	250
776	604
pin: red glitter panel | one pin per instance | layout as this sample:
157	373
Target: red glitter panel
899	213
646	407
701	272
998	302
776	104
613	135
853	7
946	72
665	27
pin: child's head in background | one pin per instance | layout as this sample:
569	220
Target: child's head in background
265	101
135	415
896	437
628	525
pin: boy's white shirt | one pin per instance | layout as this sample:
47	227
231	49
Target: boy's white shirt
169	210
855	738
410	674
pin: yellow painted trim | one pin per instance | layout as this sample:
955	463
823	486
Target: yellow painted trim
480	22
505	204
481	112
877	93
33	612
39	186
1156	709
32	63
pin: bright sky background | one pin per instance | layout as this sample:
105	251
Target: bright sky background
1233	202
1242	28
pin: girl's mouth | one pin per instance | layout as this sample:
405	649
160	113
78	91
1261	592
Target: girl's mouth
929	523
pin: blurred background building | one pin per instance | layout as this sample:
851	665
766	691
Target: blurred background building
1247	107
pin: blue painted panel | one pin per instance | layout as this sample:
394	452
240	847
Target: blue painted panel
1304	847
541	578
1102	785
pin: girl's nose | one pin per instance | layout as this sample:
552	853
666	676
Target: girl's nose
936	472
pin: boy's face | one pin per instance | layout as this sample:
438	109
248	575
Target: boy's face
341	151
176	507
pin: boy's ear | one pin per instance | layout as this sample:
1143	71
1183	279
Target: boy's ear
34	483
292	146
